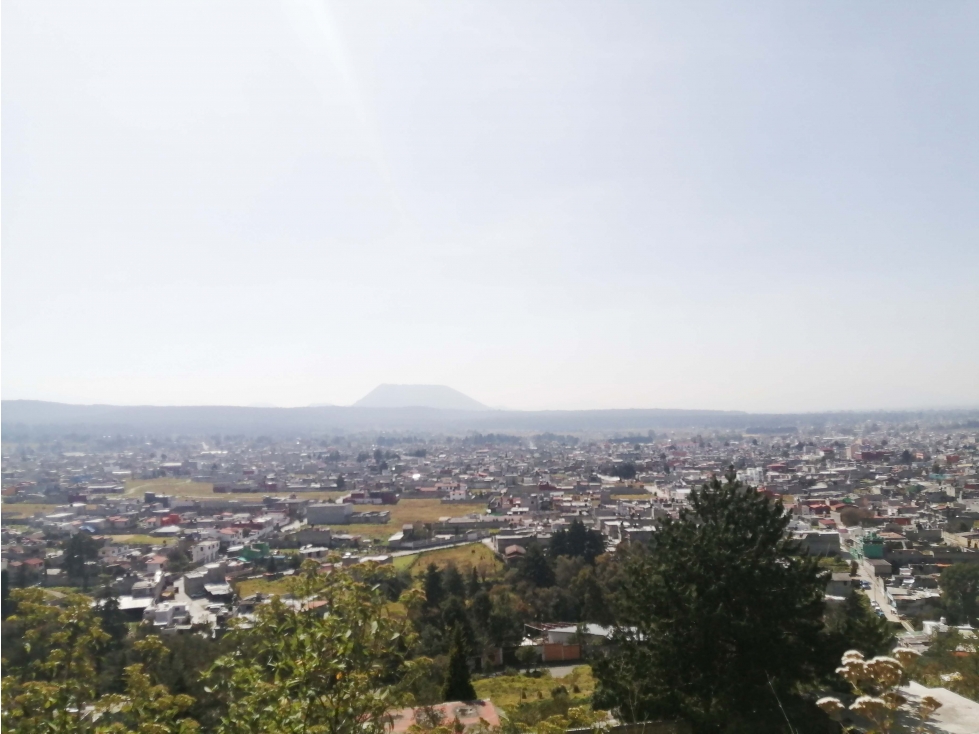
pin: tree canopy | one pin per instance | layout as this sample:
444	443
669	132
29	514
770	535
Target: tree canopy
719	619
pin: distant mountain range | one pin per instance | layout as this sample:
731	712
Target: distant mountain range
35	418
439	397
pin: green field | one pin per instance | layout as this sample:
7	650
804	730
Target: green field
507	691
138	539
256	586
464	557
407	511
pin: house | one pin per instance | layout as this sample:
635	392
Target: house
156	563
841	584
513	554
205	552
167	613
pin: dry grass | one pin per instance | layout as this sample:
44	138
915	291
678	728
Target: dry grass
464	557
506	690
24	509
138	539
187	488
429	511
406	511
374	531
169	485
256	586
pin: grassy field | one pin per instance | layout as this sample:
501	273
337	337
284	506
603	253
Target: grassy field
506	690
187	488
407	511
464	557
143	540
256	586
23	509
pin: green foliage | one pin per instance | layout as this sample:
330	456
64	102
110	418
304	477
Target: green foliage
458	686
718	618
333	668
577	541
79	550
52	680
853	625
535	567
434	590
57	674
960	592
7	604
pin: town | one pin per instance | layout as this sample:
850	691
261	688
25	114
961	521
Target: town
191	533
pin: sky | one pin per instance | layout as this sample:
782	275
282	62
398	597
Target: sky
760	206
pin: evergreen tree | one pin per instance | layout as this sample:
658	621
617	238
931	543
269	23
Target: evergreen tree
853	625
577	541
473	588
452	581
80	549
434	591
111	616
21	579
7	605
721	619
458	686
960	591
535	567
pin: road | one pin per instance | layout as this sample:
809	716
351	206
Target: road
878	593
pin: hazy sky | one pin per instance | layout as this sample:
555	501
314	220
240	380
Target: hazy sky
758	206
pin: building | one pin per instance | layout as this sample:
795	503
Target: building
329	514
468	714
205	552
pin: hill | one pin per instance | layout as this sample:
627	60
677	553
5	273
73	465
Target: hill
439	397
35	419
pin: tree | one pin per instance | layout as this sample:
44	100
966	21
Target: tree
535	567
7	604
47	687
57	675
527	656
853	625
21	579
473	586
111	617
434	590
458	686
332	670
341	482
906	457
452	581
719	619
79	550
577	541
960	588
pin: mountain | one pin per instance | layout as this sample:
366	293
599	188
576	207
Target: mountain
37	420
439	397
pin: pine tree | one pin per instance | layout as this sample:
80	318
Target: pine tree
719	616
457	686
434	591
535	566
452	581
473	587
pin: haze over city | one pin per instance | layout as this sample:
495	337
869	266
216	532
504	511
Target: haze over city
764	207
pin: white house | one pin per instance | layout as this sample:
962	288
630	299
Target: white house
205	552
